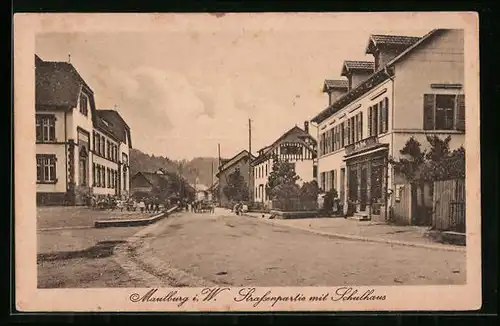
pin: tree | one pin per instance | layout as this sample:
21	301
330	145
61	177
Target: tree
282	179
411	161
309	191
236	188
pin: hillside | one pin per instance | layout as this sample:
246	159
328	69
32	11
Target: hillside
202	166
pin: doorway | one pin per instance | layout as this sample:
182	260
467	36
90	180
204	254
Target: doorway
363	187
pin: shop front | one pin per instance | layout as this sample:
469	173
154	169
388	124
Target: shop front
366	163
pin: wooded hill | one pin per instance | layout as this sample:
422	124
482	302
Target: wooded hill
201	166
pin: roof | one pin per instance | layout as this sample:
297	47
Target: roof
153	178
117	126
375	79
335	84
350	65
375	41
57	84
233	160
268	149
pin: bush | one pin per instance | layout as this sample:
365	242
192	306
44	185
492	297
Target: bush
329	200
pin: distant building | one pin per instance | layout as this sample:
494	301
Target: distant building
413	88
241	162
296	146
146	183
79	150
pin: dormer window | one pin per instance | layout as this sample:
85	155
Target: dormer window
83	105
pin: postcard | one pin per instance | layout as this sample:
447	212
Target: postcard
247	162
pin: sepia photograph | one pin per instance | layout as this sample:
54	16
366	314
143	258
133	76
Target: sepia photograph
192	156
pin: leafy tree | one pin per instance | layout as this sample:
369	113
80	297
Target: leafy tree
281	179
309	191
411	161
236	188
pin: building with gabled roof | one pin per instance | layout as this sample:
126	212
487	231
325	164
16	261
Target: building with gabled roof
240	162
296	146
415	89
80	150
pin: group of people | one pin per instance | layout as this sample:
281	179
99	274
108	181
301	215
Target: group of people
149	205
200	206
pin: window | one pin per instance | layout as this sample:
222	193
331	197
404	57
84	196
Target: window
93	141
108	171
94	174
373	121
98	144
342	134
444	112
45	128
103	145
384	115
266	170
315	171
103	177
83	104
46	168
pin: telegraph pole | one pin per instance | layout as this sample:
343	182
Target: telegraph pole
250	186
218	145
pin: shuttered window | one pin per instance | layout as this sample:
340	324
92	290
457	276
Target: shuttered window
460	124
444	112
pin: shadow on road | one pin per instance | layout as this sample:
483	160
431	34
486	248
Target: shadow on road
102	249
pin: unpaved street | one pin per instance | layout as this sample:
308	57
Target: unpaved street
233	250
188	249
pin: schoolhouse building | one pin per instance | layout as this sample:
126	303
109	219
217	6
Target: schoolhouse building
297	147
413	87
80	150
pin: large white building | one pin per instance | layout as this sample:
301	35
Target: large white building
413	88
79	150
296	146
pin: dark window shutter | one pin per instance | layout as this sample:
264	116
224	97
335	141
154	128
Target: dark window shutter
370	133
429	103
460	109
380	117
361	125
386	113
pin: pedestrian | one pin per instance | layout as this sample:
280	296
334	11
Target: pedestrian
142	205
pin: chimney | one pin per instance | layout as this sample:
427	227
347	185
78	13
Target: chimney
384	48
306	126
357	72
335	89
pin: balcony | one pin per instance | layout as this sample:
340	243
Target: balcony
366	143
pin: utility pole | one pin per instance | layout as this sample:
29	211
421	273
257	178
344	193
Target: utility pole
218	145
250	186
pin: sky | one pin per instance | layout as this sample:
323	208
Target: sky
183	93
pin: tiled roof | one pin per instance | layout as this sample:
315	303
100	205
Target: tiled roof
374	79
368	65
118	127
395	39
391	40
57	84
337	83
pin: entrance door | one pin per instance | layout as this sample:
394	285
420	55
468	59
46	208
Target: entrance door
342	182
363	187
353	183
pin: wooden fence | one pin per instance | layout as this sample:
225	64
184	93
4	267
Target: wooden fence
449	205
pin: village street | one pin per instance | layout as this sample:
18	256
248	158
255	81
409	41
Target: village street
188	249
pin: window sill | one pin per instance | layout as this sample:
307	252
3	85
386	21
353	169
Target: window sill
46	182
48	142
430	131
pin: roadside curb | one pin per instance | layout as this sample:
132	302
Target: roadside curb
135	257
365	239
133	222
